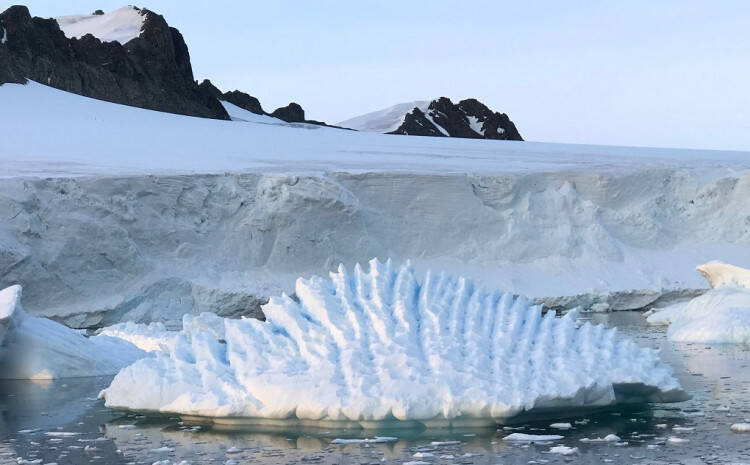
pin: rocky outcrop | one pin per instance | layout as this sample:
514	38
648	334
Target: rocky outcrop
151	71
243	100
468	119
292	113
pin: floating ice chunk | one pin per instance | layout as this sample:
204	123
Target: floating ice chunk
38	348
676	440
561	426
740	427
521	437
682	429
563	450
375	440
721	315
363	348
607	438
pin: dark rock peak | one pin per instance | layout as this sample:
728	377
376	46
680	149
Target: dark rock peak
98	13
292	113
245	101
469	118
417	123
208	88
151	71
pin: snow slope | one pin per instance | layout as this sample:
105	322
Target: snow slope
240	114
721	315
383	121
37	348
368	347
120	25
116	213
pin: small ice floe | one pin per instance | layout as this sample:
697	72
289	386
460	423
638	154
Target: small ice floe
423	455
607	438
676	440
682	429
521	437
417	462
561	426
740	427
563	450
61	434
160	450
444	443
126	426
308	362
375	440
661	426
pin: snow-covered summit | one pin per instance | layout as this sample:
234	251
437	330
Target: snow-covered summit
365	348
385	120
120	25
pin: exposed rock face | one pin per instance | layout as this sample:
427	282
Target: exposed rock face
292	113
243	100
151	71
209	88
468	119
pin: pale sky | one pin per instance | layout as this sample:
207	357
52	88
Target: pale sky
638	72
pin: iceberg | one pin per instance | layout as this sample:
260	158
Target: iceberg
39	348
720	316
377	348
148	337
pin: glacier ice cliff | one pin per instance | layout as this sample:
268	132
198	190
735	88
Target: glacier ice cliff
95	251
368	348
38	348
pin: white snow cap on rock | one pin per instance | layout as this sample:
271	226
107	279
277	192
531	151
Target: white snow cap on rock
721	315
120	25
381	346
385	120
38	348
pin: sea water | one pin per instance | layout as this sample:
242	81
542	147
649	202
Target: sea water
62	422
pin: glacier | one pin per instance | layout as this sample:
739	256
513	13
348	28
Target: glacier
38	348
365	349
113	213
720	316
